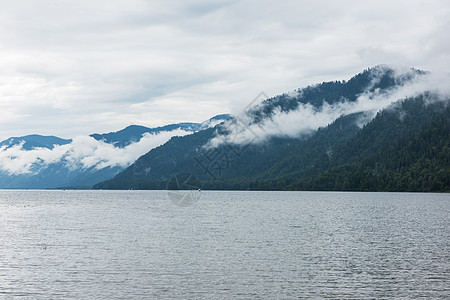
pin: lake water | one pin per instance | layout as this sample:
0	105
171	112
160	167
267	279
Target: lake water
228	245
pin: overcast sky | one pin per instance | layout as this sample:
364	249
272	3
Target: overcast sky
77	67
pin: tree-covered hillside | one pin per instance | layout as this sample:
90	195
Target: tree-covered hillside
404	148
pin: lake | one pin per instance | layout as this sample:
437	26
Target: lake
228	245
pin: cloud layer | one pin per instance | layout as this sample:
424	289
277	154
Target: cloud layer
70	68
83	153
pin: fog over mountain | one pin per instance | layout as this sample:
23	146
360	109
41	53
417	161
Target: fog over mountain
305	117
138	154
24	161
83	152
332	135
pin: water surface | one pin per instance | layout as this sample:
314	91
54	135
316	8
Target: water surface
241	245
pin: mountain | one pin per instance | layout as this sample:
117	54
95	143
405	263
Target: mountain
385	129
37	161
405	148
134	133
382	130
34	141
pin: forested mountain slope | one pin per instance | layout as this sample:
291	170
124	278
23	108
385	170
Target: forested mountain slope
323	137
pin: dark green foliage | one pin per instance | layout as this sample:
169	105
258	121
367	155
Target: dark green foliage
393	153
404	148
183	181
155	168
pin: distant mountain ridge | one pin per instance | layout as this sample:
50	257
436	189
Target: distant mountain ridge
134	133
36	161
34	141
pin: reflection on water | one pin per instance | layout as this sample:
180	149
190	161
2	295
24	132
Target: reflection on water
138	244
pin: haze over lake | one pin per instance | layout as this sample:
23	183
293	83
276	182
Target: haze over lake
228	245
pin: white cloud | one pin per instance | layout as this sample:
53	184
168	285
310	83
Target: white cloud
84	152
16	161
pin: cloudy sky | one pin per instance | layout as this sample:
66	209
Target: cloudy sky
71	68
